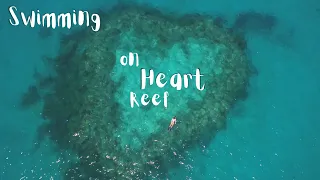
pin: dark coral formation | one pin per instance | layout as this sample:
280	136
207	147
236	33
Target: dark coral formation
30	97
254	21
84	116
35	92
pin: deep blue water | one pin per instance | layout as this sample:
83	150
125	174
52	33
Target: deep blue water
273	134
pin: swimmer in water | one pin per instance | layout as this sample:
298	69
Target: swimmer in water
172	123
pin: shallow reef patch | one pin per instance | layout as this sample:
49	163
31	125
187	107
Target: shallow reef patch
88	107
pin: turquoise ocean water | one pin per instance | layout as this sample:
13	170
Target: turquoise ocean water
272	135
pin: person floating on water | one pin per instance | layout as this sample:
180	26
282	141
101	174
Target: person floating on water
172	123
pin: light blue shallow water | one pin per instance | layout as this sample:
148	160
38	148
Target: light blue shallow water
274	134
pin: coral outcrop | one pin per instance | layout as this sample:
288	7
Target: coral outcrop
89	111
